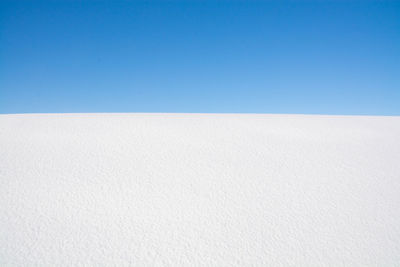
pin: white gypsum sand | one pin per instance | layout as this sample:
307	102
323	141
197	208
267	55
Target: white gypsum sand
199	190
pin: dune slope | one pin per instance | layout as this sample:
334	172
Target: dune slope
199	190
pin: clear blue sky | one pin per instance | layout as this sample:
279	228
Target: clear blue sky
336	57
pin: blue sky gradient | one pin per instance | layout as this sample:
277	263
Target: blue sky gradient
309	57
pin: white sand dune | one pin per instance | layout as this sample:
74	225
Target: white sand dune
199	190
